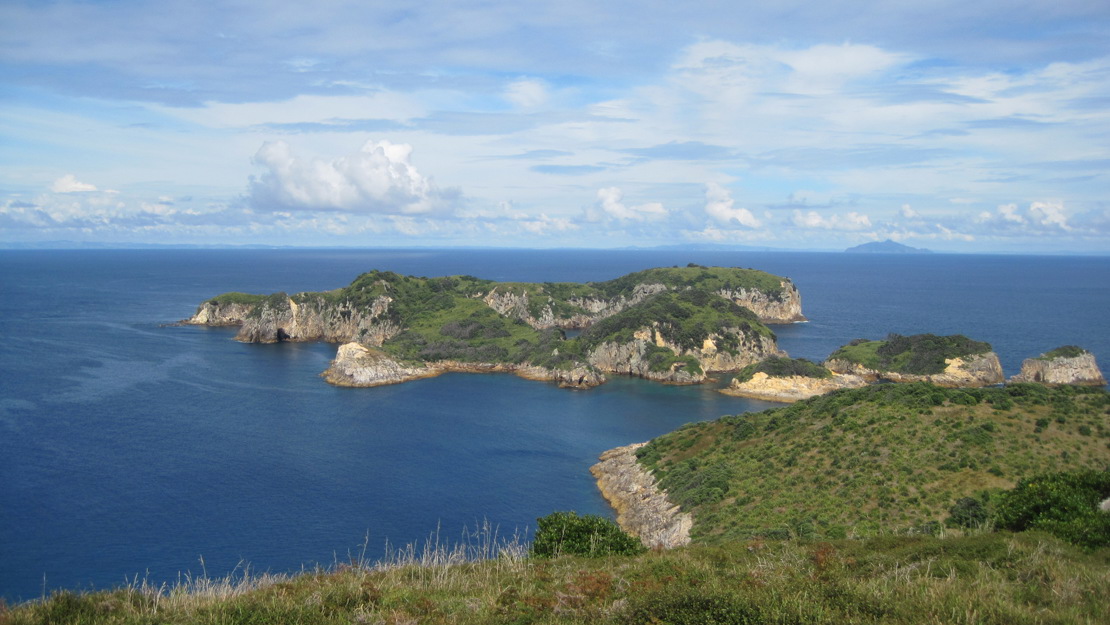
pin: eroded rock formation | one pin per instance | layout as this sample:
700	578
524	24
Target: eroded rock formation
643	509
1080	369
792	388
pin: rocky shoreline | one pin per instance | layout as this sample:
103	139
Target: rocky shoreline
791	389
643	509
356	365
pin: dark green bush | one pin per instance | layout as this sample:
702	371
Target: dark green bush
566	533
1063	504
968	513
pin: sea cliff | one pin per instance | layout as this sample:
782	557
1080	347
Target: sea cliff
356	365
643	509
1064	365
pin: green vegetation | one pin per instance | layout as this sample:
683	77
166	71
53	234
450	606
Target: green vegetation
1062	504
692	276
779	367
985	579
235	297
566	533
881	459
920	354
682	318
447	318
1067	351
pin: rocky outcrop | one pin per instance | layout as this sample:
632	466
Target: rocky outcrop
966	372
314	319
362	366
216	313
781	307
513	304
1081	369
358	365
784	307
643	509
635	357
792	388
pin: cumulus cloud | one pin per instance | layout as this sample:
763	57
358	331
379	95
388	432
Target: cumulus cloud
611	201
1049	215
1042	217
719	206
814	220
379	178
69	184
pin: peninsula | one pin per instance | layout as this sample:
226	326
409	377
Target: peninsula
675	325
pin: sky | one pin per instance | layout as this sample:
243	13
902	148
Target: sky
952	125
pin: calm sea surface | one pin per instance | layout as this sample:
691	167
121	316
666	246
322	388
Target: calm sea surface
131	448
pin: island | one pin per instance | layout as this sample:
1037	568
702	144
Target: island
677	325
949	361
886	247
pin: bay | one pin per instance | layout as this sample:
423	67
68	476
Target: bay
128	447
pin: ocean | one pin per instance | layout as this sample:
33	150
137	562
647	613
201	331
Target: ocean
131	447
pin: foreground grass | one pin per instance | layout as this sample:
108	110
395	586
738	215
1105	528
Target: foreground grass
986	578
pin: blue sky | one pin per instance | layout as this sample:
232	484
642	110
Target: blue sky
957	126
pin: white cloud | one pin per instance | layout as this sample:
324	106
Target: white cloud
1049	215
527	93
379	178
69	184
908	212
719	206
611	201
814	220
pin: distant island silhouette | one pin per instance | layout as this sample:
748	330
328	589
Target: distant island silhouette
886	247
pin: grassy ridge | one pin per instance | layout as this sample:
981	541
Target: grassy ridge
989	579
877	459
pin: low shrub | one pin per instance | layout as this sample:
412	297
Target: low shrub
566	533
1062	504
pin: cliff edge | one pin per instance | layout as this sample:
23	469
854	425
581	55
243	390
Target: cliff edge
643	509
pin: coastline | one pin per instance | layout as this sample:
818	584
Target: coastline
642	508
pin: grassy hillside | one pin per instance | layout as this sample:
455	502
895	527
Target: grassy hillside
990	579
920	354
887	458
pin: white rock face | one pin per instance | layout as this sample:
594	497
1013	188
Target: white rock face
358	365
1081	369
633	357
968	372
792	388
643	509
786	308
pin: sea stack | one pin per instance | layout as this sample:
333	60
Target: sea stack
1064	365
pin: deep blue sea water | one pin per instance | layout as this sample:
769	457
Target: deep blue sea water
128	447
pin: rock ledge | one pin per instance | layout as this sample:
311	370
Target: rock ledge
643	509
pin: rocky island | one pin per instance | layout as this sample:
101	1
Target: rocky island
1064	365
675	325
